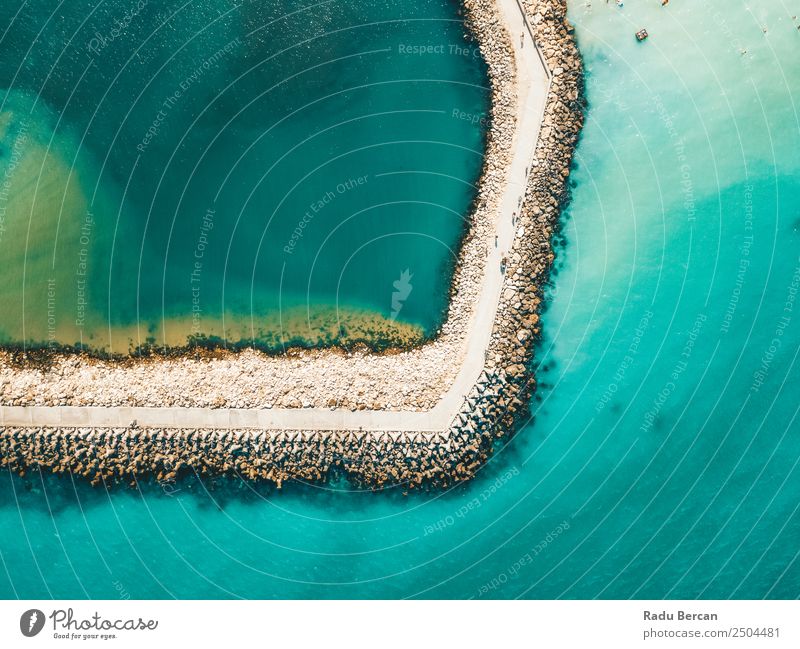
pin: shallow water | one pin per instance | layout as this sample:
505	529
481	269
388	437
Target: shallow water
233	171
662	460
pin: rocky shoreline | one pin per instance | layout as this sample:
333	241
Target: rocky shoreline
411	380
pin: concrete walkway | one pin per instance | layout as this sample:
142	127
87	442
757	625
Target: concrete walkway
533	85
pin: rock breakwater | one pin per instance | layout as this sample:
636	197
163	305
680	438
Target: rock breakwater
412	380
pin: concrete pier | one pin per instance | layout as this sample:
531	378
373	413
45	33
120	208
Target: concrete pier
537	83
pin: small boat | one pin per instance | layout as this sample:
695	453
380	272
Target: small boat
641	35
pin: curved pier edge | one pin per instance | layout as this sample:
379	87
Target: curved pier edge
492	409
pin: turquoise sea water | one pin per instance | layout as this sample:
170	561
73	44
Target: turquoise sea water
188	162
662	458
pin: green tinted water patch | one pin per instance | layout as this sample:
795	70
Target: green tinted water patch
244	170
51	240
